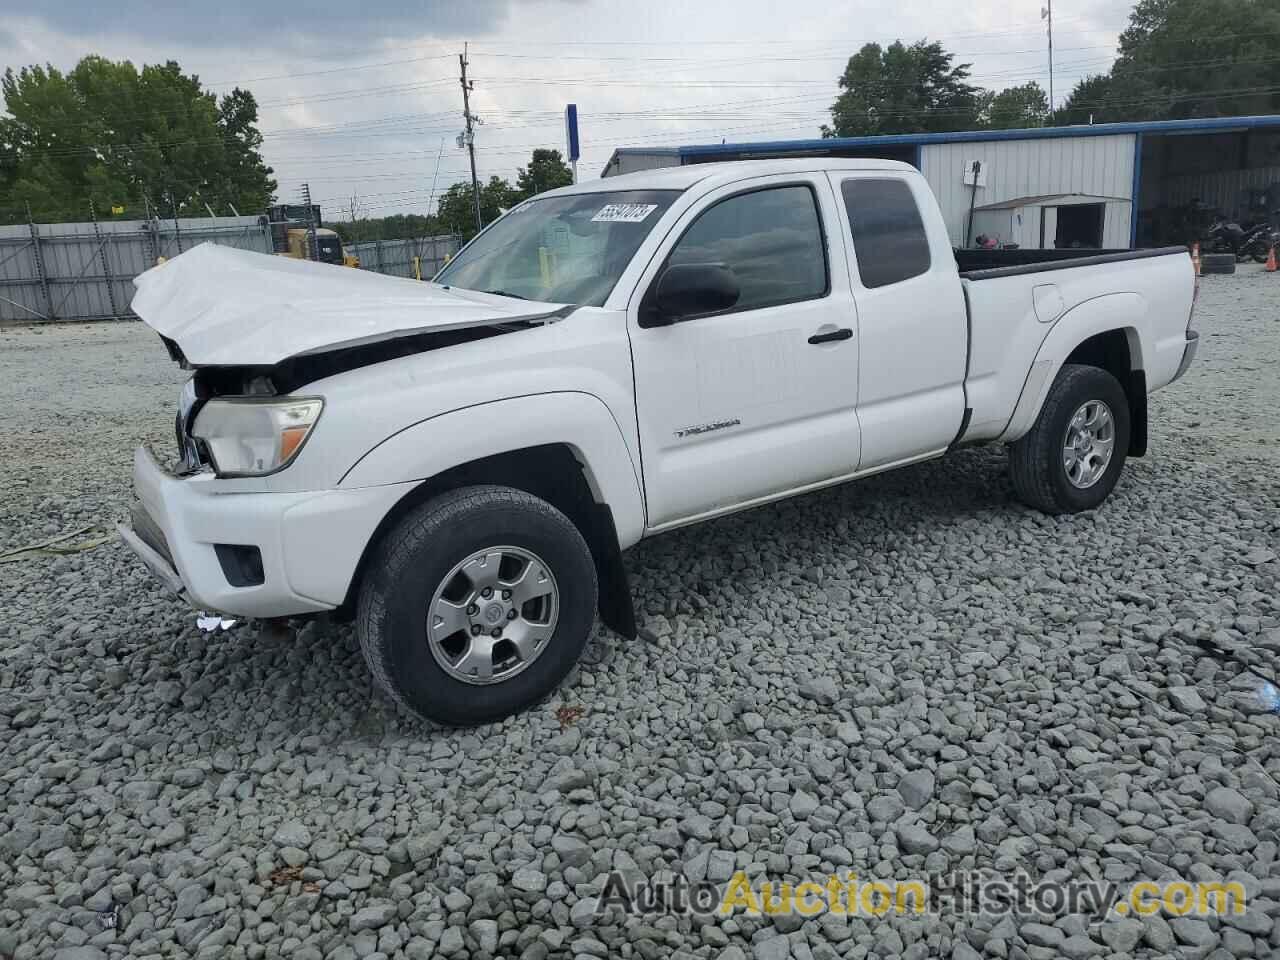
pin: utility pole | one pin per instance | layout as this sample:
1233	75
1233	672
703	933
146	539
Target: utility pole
469	134
1046	13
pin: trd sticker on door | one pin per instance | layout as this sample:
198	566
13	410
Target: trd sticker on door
708	427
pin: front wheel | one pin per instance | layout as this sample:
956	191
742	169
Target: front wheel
1072	457
476	604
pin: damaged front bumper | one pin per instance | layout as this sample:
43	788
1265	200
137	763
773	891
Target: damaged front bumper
147	541
256	554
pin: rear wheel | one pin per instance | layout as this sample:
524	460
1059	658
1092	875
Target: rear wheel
476	604
1071	458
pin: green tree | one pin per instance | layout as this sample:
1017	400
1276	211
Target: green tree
1089	102
1188	58
546	171
115	135
903	89
1015	108
396	227
246	175
456	212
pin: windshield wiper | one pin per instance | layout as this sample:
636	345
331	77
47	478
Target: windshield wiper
503	293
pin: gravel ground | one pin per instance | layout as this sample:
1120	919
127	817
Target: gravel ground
911	674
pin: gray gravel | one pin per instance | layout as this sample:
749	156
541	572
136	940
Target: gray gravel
909	674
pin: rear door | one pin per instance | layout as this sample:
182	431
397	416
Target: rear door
911	316
759	399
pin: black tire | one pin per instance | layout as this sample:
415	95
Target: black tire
413	558
1035	461
1218	263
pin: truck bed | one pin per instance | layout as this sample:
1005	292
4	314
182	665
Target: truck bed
1014	309
987	264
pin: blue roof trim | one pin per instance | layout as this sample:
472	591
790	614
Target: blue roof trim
1206	125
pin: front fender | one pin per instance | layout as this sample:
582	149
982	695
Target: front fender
581	421
1115	311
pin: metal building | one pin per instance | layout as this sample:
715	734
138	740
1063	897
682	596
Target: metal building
1105	185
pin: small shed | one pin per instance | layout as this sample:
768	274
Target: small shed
1055	221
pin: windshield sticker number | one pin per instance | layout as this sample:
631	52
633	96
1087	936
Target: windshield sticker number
624	212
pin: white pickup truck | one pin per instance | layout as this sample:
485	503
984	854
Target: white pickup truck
459	465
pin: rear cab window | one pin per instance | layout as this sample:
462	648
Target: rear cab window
889	238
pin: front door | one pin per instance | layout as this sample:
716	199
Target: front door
757	399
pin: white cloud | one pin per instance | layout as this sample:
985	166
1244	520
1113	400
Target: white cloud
357	97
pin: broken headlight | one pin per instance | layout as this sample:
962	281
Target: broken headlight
248	437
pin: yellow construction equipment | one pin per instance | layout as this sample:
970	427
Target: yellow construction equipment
290	229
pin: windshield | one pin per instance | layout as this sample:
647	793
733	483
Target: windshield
568	249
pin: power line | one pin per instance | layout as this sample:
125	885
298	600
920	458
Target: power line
357	92
408	197
1011	29
317	73
802	58
350	93
399	126
1233	94
331	96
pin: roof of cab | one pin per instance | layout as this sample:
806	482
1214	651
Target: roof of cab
681	178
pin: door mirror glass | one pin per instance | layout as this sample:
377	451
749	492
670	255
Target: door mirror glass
691	289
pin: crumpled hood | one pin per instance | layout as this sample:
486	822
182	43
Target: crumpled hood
229	307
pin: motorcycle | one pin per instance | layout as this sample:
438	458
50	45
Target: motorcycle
1227	236
1224	236
1257	243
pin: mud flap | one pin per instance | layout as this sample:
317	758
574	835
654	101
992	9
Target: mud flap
617	610
1137	391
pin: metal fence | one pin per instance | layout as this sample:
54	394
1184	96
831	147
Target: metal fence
85	271
396	257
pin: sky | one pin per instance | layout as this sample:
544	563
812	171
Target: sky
361	98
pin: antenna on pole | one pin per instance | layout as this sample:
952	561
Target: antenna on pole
1046	13
468	136
435	176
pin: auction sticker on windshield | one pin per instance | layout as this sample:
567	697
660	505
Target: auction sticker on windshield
624	212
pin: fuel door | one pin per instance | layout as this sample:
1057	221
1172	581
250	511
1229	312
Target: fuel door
1047	301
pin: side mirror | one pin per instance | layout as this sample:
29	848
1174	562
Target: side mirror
689	289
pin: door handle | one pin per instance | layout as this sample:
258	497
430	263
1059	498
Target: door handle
831	336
